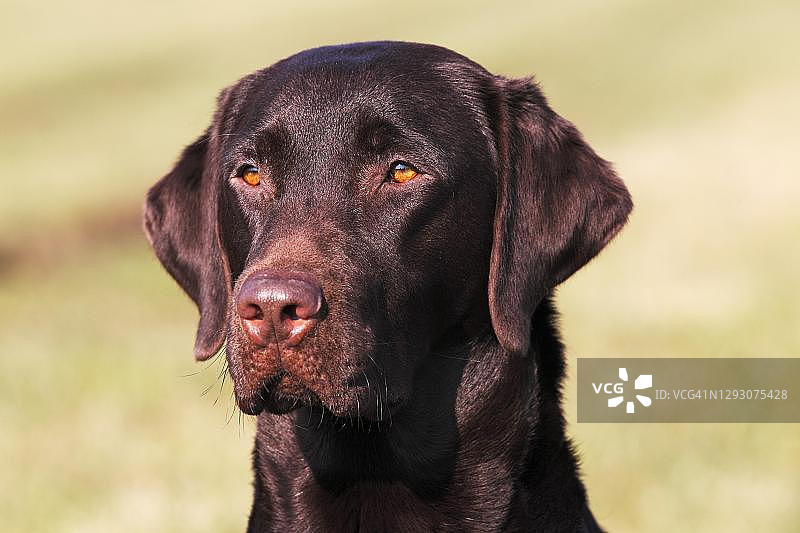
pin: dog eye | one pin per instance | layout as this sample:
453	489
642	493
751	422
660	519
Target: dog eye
250	175
400	172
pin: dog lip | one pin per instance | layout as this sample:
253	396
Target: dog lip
254	403
269	397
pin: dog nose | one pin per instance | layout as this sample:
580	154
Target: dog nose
279	306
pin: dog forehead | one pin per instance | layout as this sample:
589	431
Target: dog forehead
318	88
370	62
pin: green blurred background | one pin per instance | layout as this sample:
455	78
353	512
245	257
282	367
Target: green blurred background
104	424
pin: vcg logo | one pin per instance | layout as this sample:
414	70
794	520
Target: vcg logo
644	381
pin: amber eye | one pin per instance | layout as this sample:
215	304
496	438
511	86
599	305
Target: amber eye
401	172
250	175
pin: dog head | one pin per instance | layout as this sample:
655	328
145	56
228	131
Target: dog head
353	208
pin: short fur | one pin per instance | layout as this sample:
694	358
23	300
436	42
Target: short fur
428	399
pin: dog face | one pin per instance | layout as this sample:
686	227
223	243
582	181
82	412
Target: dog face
353	209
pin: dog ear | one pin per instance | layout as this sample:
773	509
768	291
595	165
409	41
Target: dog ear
558	204
180	220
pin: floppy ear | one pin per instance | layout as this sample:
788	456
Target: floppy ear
558	204
180	220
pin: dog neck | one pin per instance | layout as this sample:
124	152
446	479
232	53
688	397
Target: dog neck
482	440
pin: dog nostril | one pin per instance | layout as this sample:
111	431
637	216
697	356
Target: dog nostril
251	312
290	312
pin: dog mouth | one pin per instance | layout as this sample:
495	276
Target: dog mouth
281	381
283	393
280	393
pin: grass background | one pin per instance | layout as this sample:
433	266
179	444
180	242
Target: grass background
103	422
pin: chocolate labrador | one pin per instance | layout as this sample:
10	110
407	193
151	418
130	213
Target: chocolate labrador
373	232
